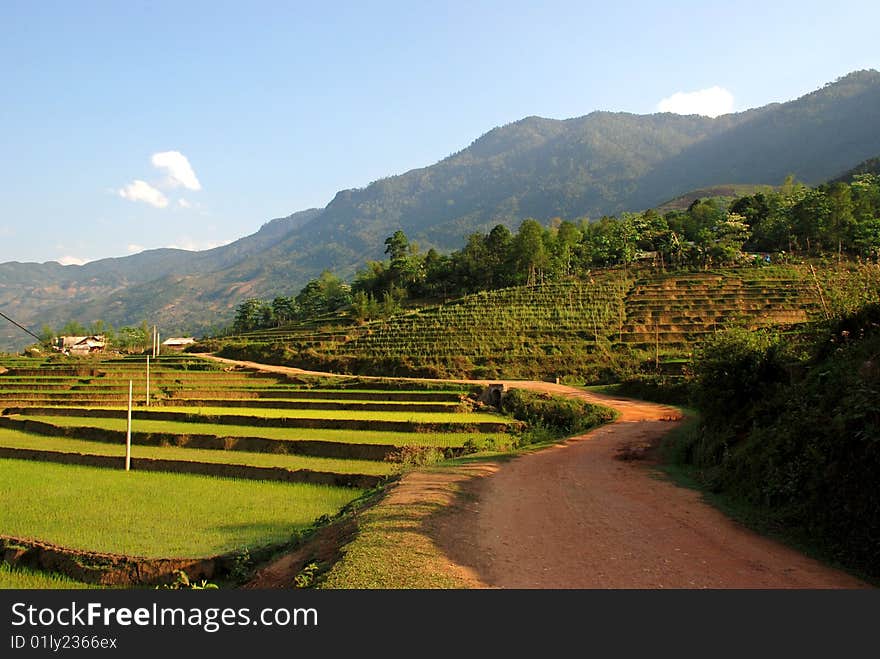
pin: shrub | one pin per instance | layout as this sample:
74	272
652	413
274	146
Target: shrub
558	415
803	452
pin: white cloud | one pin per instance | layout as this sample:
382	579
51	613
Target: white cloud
72	260
187	243
183	203
134	249
180	172
709	102
139	190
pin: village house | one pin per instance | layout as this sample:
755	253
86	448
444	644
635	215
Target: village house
178	342
81	345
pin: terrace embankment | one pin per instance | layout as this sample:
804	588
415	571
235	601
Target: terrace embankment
113	569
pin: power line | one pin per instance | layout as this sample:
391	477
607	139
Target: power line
20	326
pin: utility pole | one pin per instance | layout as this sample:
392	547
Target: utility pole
148	380
128	431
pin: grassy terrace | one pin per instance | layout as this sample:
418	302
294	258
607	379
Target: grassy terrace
17	439
269	413
436	439
154	514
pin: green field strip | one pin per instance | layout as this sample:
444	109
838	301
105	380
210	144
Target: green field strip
435	439
299	404
141	413
22	440
154	514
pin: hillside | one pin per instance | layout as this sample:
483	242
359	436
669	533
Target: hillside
598	164
128	289
603	328
870	166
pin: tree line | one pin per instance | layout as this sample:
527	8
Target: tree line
793	220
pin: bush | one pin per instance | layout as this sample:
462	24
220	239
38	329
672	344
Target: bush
802	453
735	371
560	416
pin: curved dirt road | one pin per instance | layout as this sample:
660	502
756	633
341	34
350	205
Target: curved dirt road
576	516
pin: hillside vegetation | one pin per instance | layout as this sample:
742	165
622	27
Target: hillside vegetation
599	164
595	300
790	434
612	327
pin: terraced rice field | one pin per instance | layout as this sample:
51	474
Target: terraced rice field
257	456
557	328
154	514
677	311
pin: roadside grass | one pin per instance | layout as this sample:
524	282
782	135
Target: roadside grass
20	577
155	514
18	439
438	439
392	549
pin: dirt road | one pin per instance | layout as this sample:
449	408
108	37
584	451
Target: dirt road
576	516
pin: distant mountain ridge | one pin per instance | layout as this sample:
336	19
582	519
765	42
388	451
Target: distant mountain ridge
601	163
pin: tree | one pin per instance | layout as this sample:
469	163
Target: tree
529	252
397	246
324	294
729	238
284	309
253	313
73	328
47	336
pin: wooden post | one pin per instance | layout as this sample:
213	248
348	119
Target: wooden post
819	290
148	380
157	343
128	432
657	344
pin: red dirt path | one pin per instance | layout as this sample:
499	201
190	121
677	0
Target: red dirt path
576	516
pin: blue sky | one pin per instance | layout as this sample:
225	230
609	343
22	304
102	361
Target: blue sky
250	111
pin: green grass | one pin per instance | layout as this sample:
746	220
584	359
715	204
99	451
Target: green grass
18	439
438	439
392	548
333	415
352	402
155	514
19	577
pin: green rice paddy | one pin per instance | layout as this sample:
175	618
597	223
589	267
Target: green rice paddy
21	440
436	439
154	514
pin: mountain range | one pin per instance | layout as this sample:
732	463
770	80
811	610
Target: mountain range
598	164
